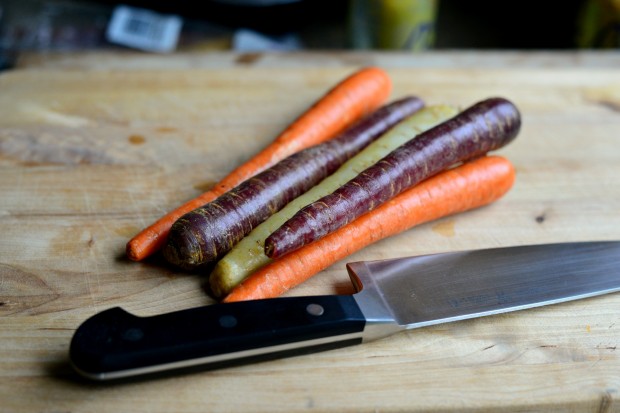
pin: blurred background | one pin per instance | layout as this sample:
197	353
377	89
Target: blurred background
165	26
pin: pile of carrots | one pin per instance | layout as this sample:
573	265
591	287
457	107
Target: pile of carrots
354	97
419	191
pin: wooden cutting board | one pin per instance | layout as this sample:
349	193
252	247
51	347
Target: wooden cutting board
89	157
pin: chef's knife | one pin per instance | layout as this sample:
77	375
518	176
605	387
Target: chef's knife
393	295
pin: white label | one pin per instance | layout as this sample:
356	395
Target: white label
144	29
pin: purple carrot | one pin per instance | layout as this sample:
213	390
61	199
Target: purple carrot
205	234
485	126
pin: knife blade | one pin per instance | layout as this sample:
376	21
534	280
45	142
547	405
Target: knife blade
392	296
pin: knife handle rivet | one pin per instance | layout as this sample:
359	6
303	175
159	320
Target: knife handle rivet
228	321
315	309
133	334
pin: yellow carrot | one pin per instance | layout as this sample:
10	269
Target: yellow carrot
248	255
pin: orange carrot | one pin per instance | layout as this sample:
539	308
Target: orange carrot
468	186
357	95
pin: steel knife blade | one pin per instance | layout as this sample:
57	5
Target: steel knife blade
392	295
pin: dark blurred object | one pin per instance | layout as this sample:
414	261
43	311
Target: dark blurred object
44	25
272	17
491	24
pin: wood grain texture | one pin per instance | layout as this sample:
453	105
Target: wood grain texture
88	157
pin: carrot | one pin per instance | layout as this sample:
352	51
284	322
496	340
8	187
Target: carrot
471	185
483	127
206	233
248	255
355	96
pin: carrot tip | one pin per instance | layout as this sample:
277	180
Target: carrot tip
131	252
269	249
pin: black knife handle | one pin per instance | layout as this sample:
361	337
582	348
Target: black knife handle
115	343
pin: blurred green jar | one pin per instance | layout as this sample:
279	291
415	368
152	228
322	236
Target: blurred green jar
392	24
599	24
